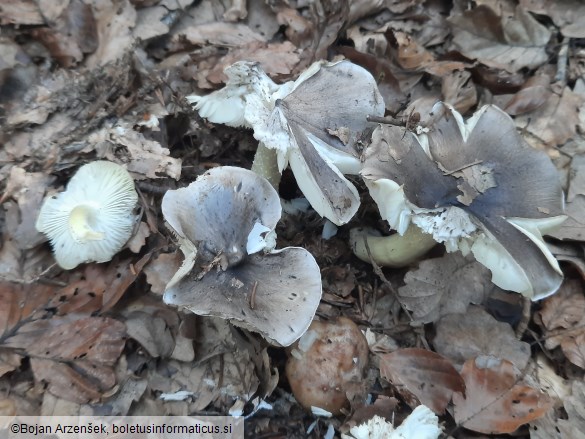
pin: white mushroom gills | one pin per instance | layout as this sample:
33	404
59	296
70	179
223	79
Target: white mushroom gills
93	218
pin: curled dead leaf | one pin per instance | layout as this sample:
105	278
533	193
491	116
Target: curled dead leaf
495	403
427	376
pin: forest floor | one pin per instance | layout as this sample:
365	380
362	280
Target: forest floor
86	80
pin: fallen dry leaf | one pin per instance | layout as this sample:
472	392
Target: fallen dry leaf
556	121
276	59
422	377
28	189
148	158
533	94
161	270
139	238
495	402
564	312
8	361
464	336
20	12
71	35
74	355
506	42
459	90
444	286
574	426
574	227
568	15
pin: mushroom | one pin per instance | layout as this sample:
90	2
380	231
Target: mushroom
329	360
314	124
476	187
227	217
93	218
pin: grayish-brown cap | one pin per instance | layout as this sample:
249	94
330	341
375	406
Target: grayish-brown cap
326	116
230	215
511	191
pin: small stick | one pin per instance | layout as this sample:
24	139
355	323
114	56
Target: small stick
253	295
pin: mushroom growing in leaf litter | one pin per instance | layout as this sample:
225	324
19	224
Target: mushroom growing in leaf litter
476	187
314	124
93	218
227	219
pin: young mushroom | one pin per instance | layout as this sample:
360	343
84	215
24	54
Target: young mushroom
314	124
93	218
229	215
476	187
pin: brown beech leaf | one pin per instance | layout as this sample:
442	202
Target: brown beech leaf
20	302
574	347
569	15
8	361
574	426
74	355
444	286
533	94
511	41
72	34
464	336
20	12
429	377
556	121
494	402
98	287
563	310
459	90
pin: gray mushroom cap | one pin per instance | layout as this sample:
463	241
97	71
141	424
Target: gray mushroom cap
313	124
229	214
478	187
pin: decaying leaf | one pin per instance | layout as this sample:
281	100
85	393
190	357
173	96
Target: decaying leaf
569	15
161	269
533	94
495	402
464	336
509	41
574	228
444	286
574	426
565	313
556	121
148	158
74	355
422	376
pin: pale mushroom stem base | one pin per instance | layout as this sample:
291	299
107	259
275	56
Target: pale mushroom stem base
266	165
394	250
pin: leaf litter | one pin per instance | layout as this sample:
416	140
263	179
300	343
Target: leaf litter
106	80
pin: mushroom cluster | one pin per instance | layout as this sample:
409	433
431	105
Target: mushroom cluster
93	218
313	124
476	187
225	223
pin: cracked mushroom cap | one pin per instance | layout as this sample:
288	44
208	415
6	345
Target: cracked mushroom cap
93	218
314	124
230	215
475	186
